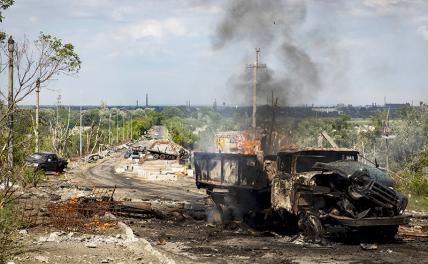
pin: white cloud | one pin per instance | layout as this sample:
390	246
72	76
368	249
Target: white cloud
153	28
395	7
423	32
350	43
33	19
381	3
383	7
420	19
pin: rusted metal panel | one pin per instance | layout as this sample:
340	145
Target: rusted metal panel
280	195
372	221
229	170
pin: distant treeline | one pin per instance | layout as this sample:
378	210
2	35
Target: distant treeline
265	111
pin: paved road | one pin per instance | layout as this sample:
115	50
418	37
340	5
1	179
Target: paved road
160	133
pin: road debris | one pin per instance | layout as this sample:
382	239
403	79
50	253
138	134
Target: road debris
368	246
412	232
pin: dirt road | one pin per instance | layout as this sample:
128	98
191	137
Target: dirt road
188	240
103	175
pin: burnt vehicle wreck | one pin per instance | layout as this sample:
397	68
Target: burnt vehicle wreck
321	192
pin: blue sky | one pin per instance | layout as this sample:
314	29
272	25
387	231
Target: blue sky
365	50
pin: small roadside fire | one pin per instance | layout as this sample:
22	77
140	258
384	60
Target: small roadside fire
238	142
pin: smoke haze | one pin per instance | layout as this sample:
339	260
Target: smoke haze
272	26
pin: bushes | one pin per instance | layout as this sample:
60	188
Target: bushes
31	177
9	213
414	177
8	225
181	134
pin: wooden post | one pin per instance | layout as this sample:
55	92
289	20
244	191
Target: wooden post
10	104
37	113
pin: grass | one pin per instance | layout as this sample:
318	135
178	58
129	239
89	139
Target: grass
418	203
360	121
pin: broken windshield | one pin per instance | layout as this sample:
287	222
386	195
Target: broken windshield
348	167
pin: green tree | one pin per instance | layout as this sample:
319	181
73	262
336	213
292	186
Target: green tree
43	59
5	4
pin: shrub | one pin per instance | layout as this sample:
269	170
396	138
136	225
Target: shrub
414	177
8	225
31	177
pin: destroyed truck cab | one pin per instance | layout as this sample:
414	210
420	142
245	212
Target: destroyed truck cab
320	191
332	192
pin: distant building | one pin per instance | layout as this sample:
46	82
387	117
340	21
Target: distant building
397	106
325	109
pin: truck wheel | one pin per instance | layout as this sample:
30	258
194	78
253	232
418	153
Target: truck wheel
162	156
311	226
155	156
388	233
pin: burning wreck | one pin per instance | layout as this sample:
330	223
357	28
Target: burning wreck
321	192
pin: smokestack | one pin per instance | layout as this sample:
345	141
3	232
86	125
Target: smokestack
147	100
137	103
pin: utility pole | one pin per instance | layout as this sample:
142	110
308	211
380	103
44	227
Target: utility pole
131	127
37	113
255	67
117	127
10	104
127	130
387	136
80	133
123	128
109	128
272	124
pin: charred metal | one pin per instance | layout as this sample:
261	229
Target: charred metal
321	192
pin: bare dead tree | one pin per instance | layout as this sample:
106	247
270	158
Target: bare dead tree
43	59
97	134
60	134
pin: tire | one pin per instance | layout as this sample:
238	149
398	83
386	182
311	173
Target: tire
220	214
155	156
162	156
311	227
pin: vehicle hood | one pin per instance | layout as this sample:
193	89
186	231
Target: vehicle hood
347	168
33	160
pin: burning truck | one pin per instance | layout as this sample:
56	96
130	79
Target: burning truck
321	192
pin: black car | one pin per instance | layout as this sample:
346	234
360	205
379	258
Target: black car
46	161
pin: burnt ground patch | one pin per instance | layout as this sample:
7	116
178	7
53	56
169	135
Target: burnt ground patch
217	244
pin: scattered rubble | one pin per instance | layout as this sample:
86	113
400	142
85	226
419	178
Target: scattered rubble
127	226
368	246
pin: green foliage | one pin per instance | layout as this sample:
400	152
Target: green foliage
145	122
22	135
9	223
170	112
180	131
414	177
5	4
63	53
31	177
378	122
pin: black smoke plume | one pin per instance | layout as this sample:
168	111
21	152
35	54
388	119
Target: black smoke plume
271	25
